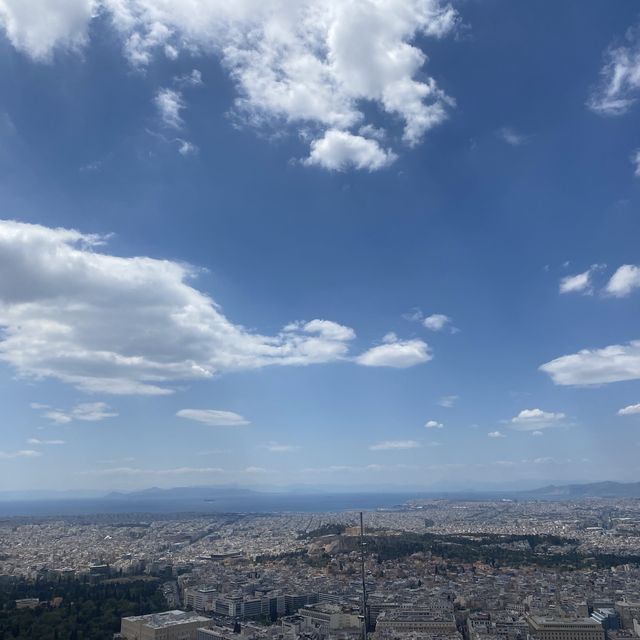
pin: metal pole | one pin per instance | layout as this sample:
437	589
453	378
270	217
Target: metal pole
364	584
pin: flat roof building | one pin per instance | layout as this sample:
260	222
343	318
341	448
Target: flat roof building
565	628
416	619
168	625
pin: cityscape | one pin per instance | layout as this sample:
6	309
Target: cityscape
319	320
432	568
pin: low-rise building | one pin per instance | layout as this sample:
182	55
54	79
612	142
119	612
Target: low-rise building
565	628
168	625
422	620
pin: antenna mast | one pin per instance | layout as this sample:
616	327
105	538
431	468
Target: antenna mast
364	584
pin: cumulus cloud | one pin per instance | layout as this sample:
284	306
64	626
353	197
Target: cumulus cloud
36	441
535	420
38	28
580	282
596	366
311	64
135	325
436	321
213	417
86	412
340	150
433	424
619	77
325	328
632	409
496	434
396	353
394	445
624	281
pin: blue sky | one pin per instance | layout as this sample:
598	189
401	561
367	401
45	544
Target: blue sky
269	243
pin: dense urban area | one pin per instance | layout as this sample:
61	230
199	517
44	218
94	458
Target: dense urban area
433	569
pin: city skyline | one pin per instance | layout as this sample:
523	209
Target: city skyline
318	243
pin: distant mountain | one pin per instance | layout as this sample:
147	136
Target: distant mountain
183	493
606	489
235	499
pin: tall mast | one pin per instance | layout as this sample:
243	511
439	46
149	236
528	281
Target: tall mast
364	583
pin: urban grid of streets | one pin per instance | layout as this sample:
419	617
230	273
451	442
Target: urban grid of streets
200	549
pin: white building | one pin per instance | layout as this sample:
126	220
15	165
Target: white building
168	625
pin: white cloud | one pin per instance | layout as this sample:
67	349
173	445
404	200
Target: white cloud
193	79
86	412
635	161
169	104
399	354
596	366
512	137
436	321
44	442
213	417
496	434
447	401
632	409
59	417
394	445
432	424
23	453
580	282
276	447
535	420
252	470
341	150
543	460
39	28
186	148
619	77
310	64
537	433
325	328
134	325
624	281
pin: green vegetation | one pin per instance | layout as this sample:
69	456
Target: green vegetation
87	612
493	549
335	529
455	550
